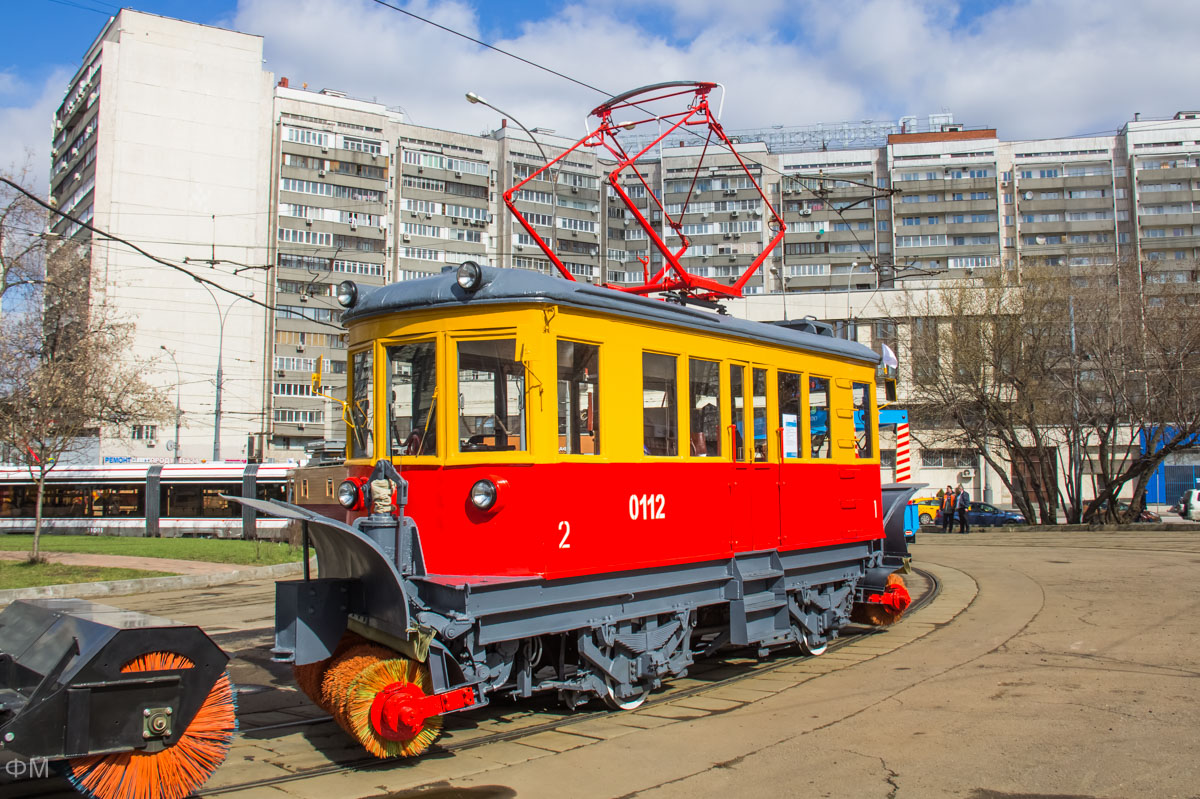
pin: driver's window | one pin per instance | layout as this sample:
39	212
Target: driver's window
361	415
491	397
412	398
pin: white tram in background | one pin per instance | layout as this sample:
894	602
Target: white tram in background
171	500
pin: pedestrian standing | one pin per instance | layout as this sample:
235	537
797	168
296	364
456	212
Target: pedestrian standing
948	510
962	502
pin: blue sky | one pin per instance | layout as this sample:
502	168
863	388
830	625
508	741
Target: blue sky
1031	68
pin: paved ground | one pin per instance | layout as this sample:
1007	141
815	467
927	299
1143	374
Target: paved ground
127	562
1053	665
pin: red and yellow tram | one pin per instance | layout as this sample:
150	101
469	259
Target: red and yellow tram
550	488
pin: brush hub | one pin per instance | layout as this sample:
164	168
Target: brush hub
398	712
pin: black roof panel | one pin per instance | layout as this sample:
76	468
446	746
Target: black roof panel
522	285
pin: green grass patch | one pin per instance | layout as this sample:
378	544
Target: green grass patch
20	574
212	550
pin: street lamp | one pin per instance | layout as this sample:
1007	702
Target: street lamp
475	99
178	383
782	288
849	282
221	317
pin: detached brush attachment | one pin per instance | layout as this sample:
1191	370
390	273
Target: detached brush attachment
139	707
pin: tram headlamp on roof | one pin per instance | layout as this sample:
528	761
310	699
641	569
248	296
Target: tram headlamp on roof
347	293
469	276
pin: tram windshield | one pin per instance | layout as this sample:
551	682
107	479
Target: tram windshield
412	388
361	435
491	397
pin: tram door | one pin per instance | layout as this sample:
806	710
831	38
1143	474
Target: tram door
754	485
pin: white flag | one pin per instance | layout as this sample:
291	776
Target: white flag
889	357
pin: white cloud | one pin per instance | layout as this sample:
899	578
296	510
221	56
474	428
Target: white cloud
373	52
10	83
1040	68
1031	68
25	132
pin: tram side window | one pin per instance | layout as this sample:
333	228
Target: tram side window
789	413
660	426
737	405
862	416
760	415
818	417
412	388
361	437
199	501
578	398
271	491
72	501
704	379
491	397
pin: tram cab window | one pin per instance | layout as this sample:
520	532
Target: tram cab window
412	399
578	398
789	413
737	406
362	435
704	383
660	426
760	415
491	397
862	416
818	417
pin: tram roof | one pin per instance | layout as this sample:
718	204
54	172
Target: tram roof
504	285
214	472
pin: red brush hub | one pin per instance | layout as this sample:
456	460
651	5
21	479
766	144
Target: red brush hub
399	711
895	598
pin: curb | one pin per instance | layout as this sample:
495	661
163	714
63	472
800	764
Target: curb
149	584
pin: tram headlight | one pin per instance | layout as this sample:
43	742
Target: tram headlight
469	276
348	494
483	494
347	293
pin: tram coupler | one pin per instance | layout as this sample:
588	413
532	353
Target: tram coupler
70	684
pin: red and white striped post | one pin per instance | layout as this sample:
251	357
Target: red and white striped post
903	466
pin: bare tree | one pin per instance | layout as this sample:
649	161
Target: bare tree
66	372
983	366
1138	397
1020	372
22	222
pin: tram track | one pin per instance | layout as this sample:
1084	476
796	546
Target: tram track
668	696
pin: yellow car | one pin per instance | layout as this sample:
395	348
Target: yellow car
927	508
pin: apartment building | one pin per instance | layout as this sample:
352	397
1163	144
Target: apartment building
332	215
163	140
173	136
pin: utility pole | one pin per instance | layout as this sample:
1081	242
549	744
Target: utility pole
1076	448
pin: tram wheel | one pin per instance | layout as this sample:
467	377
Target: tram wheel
630	703
809	648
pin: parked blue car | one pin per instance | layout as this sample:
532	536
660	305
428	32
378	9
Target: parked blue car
981	514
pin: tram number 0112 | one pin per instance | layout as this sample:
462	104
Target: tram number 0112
647	507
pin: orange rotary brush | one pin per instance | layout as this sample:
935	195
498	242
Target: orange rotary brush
384	709
386	701
886	608
171	773
310	676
